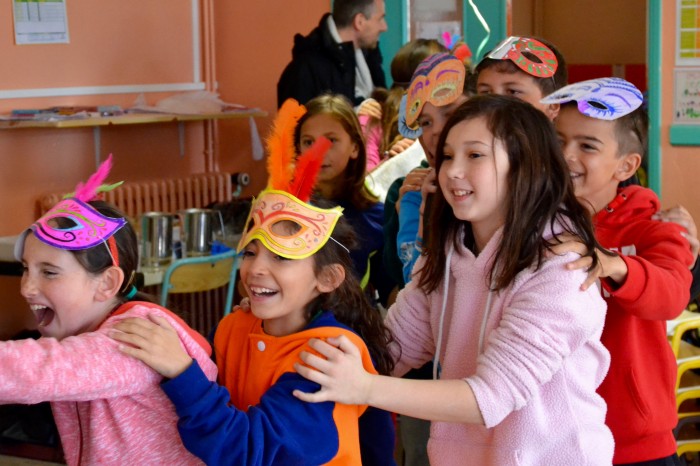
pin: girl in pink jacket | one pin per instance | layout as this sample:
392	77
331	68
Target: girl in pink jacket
515	342
79	262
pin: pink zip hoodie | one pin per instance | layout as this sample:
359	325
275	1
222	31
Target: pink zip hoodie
531	353
109	407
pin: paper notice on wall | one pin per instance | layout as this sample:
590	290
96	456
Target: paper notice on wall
687	101
40	22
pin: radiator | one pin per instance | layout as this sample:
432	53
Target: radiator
202	311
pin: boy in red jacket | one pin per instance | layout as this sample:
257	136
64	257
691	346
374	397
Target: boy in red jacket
644	267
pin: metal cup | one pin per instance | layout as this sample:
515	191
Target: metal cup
197	232
156	239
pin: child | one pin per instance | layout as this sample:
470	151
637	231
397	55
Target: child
79	262
342	180
645	280
516	342
380	125
296	270
437	88
525	68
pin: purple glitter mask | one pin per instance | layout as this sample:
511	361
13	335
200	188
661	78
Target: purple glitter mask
601	98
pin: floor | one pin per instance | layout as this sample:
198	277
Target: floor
17	461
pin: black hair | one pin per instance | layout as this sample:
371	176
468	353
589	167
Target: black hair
344	11
349	303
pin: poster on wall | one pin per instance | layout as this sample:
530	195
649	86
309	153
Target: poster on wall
688	27
40	21
686	107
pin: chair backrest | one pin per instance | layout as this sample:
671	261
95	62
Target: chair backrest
193	274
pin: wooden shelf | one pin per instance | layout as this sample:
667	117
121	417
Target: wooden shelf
129	119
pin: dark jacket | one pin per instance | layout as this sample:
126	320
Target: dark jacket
319	64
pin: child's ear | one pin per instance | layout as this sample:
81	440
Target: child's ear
110	283
552	110
331	277
355	151
627	166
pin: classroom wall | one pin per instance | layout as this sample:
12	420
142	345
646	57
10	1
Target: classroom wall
680	165
248	62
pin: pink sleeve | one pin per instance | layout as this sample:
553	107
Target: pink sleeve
373	141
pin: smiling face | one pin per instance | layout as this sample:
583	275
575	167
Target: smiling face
591	150
279	289
473	177
432	120
518	84
343	149
61	294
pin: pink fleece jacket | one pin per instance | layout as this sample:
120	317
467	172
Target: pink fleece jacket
534	371
109	407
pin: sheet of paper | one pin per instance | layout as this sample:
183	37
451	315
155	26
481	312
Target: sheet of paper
40	22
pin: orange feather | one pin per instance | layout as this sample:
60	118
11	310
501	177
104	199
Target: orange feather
308	166
280	145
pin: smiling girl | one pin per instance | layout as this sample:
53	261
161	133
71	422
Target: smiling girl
516	344
79	261
342	180
296	270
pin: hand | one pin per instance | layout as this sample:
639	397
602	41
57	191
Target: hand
154	342
400	146
413	182
371	108
682	217
341	374
608	266
244	305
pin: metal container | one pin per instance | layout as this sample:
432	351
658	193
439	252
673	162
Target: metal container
156	239
196	230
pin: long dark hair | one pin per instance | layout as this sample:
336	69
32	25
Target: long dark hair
348	302
97	259
540	193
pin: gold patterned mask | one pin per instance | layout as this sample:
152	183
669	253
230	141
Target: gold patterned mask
288	226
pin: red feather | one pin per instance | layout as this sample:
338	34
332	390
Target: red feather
306	171
280	145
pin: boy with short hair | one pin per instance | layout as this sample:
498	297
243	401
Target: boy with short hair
523	67
644	267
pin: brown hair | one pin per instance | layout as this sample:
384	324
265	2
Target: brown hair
546	85
540	194
352	188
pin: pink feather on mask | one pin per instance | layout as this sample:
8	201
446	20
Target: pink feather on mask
88	191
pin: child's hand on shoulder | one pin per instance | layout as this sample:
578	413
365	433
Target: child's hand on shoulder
682	217
609	266
154	342
341	374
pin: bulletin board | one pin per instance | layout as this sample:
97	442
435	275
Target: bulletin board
116	46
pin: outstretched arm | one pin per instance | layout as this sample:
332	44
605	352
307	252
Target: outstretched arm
344	380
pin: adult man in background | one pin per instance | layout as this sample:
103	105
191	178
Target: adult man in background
340	55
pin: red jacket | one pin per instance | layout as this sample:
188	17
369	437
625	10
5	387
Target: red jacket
640	386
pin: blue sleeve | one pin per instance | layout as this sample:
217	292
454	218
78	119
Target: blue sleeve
409	218
280	430
377	438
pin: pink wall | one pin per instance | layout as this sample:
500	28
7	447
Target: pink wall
249	61
680	165
253	43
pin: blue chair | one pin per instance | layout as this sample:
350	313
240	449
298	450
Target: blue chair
204	273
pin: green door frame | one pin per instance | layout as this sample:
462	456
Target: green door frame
654	16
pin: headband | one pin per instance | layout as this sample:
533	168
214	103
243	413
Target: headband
281	217
439	79
602	98
73	224
514	49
